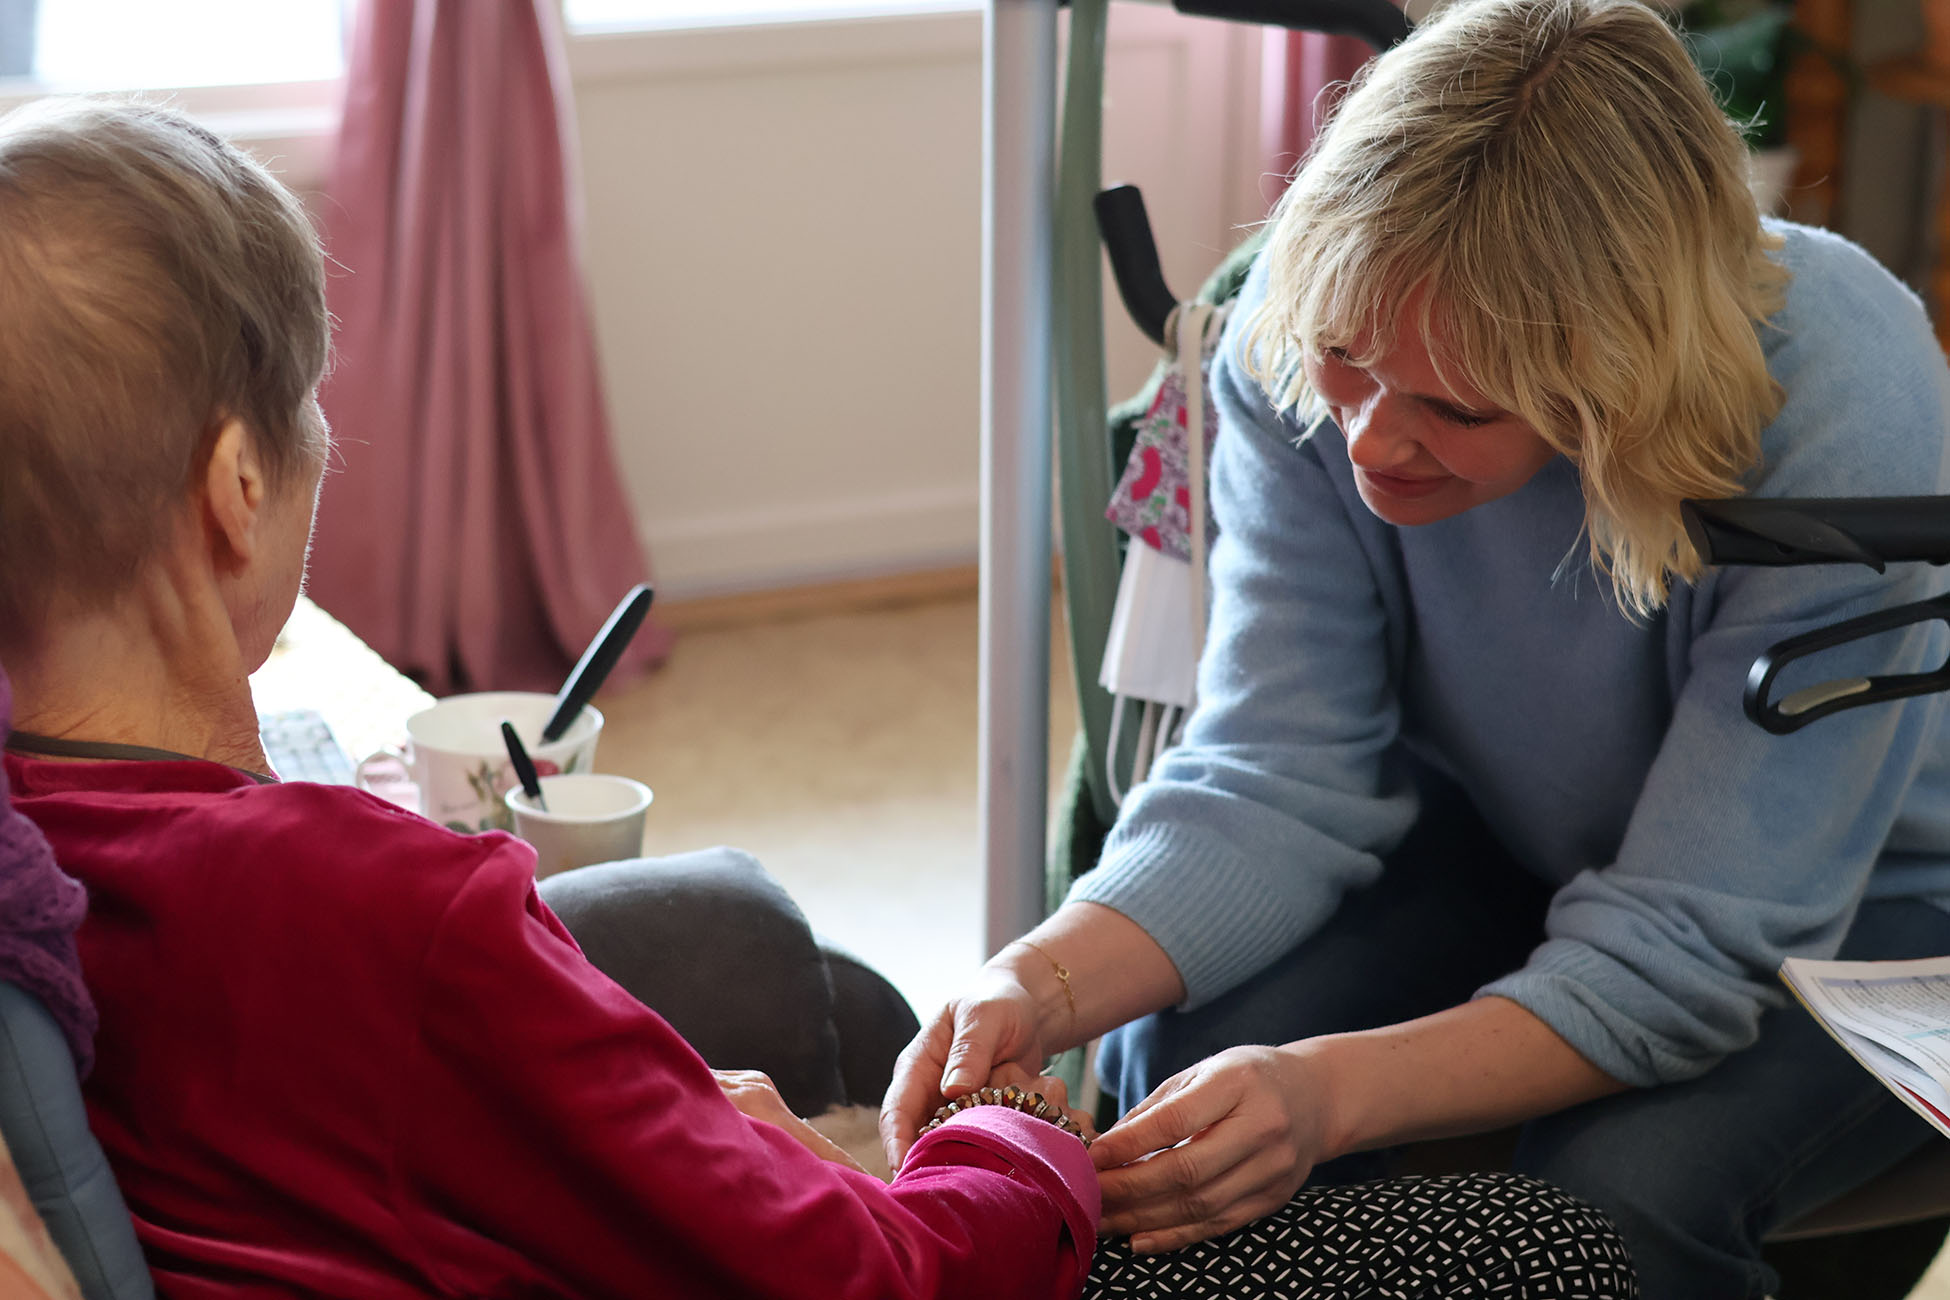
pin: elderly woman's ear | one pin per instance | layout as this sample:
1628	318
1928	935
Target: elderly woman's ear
236	496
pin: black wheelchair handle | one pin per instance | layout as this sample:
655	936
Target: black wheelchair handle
1799	708
1377	22
1875	531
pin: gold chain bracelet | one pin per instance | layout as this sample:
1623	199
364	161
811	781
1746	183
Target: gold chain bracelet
1061	971
1029	1103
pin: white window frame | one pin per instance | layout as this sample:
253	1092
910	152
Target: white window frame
290	125
954	27
757	15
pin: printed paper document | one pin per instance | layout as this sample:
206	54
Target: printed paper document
1893	1016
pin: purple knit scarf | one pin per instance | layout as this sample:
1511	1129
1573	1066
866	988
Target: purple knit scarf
40	906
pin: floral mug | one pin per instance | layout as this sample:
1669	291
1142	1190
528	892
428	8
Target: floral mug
455	756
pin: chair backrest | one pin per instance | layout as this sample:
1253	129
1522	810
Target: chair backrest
60	1163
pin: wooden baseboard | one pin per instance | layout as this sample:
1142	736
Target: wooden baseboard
849	597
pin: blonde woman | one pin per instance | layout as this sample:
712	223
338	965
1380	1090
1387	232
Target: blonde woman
1468	830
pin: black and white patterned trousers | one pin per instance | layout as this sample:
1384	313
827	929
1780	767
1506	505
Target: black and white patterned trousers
1457	1237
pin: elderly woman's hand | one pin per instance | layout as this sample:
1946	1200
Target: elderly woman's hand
1215	1147
1052	1089
755	1097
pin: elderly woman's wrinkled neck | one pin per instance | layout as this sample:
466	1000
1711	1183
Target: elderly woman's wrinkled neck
166	664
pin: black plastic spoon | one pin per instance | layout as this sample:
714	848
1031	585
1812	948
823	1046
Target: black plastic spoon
531	784
598	659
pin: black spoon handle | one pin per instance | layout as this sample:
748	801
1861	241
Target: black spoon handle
601	656
531	784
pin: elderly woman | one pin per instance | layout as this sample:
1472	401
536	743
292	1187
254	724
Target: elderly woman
344	1051
1467	830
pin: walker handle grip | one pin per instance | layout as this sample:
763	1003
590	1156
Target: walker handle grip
1798	708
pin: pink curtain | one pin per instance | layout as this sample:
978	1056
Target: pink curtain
1297	67
476	533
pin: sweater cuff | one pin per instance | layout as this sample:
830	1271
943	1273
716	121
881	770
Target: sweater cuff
1561	991
1055	1162
1221	916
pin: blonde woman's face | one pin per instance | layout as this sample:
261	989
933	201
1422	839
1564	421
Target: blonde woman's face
1422	450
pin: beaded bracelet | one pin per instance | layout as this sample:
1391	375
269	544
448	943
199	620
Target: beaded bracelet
1029	1103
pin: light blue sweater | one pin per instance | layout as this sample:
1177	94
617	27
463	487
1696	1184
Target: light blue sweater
1692	851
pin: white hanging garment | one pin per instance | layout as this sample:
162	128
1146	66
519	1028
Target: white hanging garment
1152	651
1157	628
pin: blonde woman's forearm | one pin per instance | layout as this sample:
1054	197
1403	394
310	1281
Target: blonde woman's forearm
1090	969
1481	1066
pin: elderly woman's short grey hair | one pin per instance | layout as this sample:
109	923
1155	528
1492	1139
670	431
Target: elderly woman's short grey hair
154	283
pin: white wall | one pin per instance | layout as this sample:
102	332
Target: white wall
784	248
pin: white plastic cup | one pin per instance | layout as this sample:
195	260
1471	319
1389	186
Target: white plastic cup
592	817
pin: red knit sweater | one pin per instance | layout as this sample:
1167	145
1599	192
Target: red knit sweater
345	1052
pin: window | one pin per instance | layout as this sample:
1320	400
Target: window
598	17
143	45
265	73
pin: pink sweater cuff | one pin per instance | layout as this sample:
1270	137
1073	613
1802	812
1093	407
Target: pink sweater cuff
1053	1160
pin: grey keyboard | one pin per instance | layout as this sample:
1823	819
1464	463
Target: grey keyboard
302	748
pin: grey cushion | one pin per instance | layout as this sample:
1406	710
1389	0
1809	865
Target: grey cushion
60	1163
874	1023
716	947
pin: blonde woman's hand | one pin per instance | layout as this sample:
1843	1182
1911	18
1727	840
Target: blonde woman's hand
1215	1147
995	1025
755	1097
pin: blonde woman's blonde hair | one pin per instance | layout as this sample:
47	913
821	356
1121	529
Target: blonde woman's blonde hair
1553	184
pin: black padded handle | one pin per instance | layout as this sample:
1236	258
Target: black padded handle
1133	252
1377	22
1820	530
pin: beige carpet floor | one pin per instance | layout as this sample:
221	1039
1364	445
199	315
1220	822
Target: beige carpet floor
840	750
